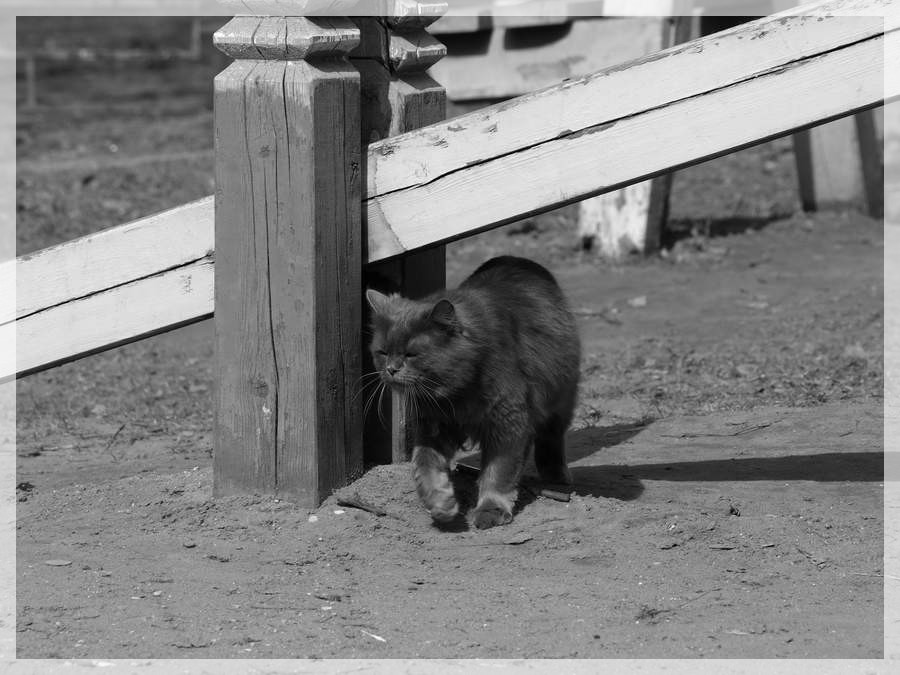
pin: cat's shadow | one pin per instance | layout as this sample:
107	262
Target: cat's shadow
611	483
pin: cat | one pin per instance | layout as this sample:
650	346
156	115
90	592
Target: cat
495	361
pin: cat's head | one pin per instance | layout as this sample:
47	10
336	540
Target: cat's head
419	346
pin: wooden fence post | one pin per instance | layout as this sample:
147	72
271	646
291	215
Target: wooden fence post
398	96
288	258
839	165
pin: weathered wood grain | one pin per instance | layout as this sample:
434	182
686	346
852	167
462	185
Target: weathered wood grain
120	284
111	257
288	269
110	318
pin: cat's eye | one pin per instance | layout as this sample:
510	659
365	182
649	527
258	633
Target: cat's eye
411	355
381	352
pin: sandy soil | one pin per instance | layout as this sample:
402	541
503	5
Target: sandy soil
727	450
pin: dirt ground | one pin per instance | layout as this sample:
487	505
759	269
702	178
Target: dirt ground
727	448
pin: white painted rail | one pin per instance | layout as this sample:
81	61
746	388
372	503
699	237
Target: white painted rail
448	180
680	106
109	288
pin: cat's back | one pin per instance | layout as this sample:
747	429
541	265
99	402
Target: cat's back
508	278
516	308
519	299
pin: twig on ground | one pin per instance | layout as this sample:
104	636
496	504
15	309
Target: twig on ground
355	502
739	432
113	440
697	597
600	314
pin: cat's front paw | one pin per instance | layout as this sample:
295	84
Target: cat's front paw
491	516
445	509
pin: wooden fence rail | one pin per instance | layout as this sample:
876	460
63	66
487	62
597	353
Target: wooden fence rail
674	108
110	287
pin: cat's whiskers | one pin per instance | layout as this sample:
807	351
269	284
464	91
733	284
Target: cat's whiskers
417	413
433	393
370	399
381	390
366	380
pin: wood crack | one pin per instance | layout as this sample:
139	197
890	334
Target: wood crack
209	257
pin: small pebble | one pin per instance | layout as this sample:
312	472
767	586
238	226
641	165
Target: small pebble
156	594
57	563
313	518
189	544
639	301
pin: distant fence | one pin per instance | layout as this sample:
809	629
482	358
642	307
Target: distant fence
33	46
302	210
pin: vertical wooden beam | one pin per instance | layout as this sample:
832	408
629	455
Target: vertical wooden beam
288	258
839	165
398	96
870	134
631	220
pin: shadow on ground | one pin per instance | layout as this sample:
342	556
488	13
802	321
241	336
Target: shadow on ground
623	481
683	228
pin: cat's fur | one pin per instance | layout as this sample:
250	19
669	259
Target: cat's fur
495	361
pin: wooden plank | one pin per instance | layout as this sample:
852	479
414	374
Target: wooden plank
108	288
695	68
288	247
631	122
110	318
108	258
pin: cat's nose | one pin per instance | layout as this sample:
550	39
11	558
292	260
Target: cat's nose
391	369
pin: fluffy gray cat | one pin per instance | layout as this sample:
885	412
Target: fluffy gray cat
495	361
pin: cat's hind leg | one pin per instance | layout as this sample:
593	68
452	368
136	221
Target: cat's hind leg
498	484
431	472
550	451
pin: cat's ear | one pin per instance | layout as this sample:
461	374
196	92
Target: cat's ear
444	314
377	301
